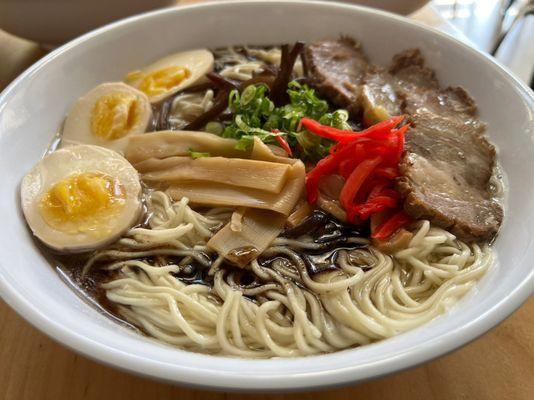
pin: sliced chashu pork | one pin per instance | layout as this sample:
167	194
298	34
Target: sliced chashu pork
336	69
448	162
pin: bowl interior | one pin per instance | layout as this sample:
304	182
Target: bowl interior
32	109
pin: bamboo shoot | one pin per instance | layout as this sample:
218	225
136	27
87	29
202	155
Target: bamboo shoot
219	194
179	143
261	151
258	229
263	175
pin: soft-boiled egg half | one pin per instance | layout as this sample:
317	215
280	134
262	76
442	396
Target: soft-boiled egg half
172	74
107	115
81	198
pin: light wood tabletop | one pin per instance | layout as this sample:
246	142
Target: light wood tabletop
499	365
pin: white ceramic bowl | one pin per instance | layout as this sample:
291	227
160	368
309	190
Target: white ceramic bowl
403	7
32	108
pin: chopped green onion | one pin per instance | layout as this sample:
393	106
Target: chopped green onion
197	154
256	115
214	127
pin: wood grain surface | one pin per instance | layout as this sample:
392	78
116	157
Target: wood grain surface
497	366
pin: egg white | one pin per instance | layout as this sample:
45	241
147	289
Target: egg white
77	127
198	62
75	160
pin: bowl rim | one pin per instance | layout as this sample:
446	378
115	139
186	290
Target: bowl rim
216	378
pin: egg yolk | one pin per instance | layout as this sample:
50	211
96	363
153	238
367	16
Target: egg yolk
114	115
162	80
83	203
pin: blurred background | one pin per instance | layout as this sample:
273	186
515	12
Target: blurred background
31	28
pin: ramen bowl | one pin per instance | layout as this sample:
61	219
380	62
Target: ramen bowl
33	107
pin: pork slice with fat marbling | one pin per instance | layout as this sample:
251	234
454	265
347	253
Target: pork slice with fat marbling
448	163
337	69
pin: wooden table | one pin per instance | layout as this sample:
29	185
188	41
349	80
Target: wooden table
500	365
